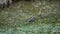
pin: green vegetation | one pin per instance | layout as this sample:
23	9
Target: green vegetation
15	19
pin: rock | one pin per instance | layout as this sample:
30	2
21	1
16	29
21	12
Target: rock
1	5
4	3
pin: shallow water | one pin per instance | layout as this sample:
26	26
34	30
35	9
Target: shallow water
13	20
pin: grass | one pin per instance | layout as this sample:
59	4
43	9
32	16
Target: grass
13	19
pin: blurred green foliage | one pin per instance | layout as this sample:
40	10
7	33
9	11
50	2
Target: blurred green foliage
47	14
